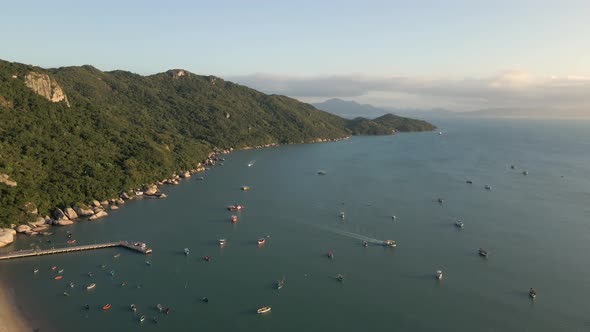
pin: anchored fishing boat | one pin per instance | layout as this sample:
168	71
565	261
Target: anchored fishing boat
390	243
133	307
330	254
482	252
439	274
340	277
142	318
207	258
235	207
106	307
186	251
58	277
261	241
263	310
91	286
459	224
222	242
245	188
532	293
281	283
234	219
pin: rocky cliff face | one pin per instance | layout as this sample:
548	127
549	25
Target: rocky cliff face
45	86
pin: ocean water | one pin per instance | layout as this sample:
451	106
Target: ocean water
536	229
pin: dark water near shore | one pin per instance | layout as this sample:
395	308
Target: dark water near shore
535	227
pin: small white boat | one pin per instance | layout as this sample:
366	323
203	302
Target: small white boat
222	242
390	243
186	251
261	241
117	255
148	263
342	215
281	283
340	278
321	172
159	307
487	187
532	293
393	217
133	307
35	270
142	318
91	286
459	224
263	310
439	274
139	193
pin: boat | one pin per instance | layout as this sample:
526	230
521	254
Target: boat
91	286
390	243
440	132
35	270
235	207
186	251
142	318
532	293
330	254
459	223
200	178
512	167
113	273
90	274
71	241
469	182
148	263
482	252
58	277
53	268
440	201
159	307
281	283
66	294
263	310
102	266
222	242
117	255
261	241
207	258
340	277
133	307
167	311
365	244
486	187
321	173
124	283
439	274
87	306
60	271
525	173
245	188
106	307
393	217
72	285
234	219
139	193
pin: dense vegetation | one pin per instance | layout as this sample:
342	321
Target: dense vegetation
122	130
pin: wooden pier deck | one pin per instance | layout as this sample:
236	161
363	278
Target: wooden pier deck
135	246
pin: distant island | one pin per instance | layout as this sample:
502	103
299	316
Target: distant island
73	135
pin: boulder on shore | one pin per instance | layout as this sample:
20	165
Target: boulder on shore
95	203
105	202
124	195
23	228
6	236
64	222
84	211
70	213
114	207
98	214
186	175
120	201
40	229
39	221
59	214
150	190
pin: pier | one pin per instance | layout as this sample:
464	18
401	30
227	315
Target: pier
135	246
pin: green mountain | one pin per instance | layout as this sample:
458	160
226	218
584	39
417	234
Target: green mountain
72	134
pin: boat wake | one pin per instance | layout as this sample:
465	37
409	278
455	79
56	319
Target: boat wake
351	235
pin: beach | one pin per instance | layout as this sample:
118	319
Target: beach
11	319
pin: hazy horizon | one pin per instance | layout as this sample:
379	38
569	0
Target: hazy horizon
460	55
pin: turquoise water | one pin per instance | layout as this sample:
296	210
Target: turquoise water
536	229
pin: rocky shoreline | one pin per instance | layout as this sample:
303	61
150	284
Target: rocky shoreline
95	209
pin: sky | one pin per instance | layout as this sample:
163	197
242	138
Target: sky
462	55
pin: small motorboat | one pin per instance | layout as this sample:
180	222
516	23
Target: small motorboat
112	273
124	283
365	244
133	307
53	268
440	201
281	283
71	241
525	173
72	285
482	252
234	219
207	258
469	182
159	307
393	217
235	207
487	187
60	271
142	318
200	178
205	299
459	224
186	251
222	242
263	310
148	263
35	270
261	241
66	294
91	286
340	277
342	215
117	255
390	243
167	311
102	266
330	254
87	306
532	293
512	167
58	277
245	188
321	172
90	274
439	275
106	307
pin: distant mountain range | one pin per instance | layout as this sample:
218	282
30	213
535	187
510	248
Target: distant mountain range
352	109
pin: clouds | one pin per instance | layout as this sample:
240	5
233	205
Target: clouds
508	89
